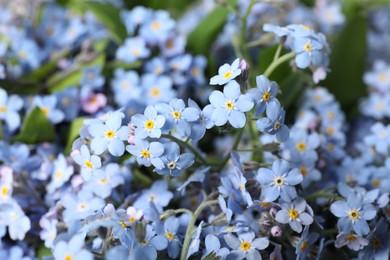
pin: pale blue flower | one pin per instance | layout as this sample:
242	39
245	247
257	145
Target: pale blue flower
12	215
246	245
158	194
294	214
90	164
9	107
174	162
147	153
60	174
132	50
72	249
48	105
149	124
226	73
273	124
264	93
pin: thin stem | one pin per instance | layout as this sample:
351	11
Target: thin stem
243	31
277	62
277	52
175	212
189	231
235	144
186	145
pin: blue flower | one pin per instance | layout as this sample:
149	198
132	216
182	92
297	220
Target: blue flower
48	106
157	89
90	164
305	243
61	174
68	102
145	247
379	242
147	153
195	241
352	241
171	229
49	231
230	105
274	122
264	93
92	78
109	134
226	73
178	116
12	215
126	86
72	249
294	214
158	194
309	51
380	138
379	78
353	214
213	244
9	107
246	245
174	162
303	145
149	124
132	50
279	181
157	28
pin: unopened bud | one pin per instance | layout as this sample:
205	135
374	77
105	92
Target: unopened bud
276	231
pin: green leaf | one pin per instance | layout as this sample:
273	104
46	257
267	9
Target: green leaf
212	256
292	87
201	38
266	58
347	63
74	132
110	17
43	252
36	128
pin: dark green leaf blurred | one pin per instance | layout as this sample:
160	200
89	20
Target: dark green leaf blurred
74	132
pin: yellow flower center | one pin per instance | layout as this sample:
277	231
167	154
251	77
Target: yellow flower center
176	115
68	257
22	55
145	153
45	110
306	27
4	191
3	109
383	77
293	213
88	164
330	130
301	146
353	214
155	92
149	124
279	181
155	25
169	44
109	134
195	72
125	85
229	105
123	224
58	175
103	181
245	246
350	238
132	219
266	96
135	52
303	246
82	207
303	170
169	235
376	182
307	47
227	75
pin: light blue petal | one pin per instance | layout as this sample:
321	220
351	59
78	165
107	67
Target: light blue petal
116	147
232	90
220	116
217	99
237	119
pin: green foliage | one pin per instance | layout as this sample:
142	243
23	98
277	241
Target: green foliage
292	86
109	16
74	132
347	63
36	128
174	7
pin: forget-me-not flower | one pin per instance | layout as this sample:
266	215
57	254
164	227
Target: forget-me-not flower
294	214
132	50
9	107
230	105
226	73
246	245
90	164
147	153
273	124
72	250
263	94
149	124
174	162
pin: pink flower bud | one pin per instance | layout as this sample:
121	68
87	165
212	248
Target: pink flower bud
276	231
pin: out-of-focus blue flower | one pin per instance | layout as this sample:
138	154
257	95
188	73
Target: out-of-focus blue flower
68	102
177	116
198	66
109	134
198	127
18	223
279	181
132	50
149	124
158	194
174	162
147	153
135	17
9	107
352	241
27	52
228	212
273	124
294	214
60	174
72	249
266	91
48	105
92	78
307	167
13	253
90	164
195	242
379	78
303	145
80	206
379	242
49	231
157	28
226	73
156	66
125	86
353	214
380	138
230	105
246	245
157	89
173	46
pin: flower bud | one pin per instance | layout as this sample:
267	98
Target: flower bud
276	231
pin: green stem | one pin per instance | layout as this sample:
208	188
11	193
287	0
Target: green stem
243	32
186	145
235	145
174	212
277	52
189	231
277	62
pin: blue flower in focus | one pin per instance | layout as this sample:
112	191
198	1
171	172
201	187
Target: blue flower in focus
149	124
9	107
309	51
273	124
174	162
109	134
147	153
198	127
264	93
90	164
353	214
171	229
132	50
226	73
279	181
178	116
230	105
73	249
246	245
294	214
145	247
